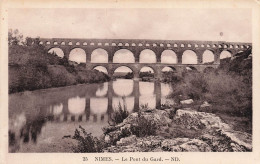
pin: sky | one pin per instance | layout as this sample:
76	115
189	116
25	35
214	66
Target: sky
161	24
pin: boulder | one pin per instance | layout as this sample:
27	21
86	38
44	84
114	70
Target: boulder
126	140
160	117
205	107
205	104
187	102
185	144
198	120
195	145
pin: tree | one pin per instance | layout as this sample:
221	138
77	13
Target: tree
14	37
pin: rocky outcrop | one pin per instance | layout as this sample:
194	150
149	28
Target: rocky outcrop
214	135
189	101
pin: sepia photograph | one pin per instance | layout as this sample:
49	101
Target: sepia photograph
130	80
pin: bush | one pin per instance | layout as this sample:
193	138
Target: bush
229	94
129	75
120	113
227	91
144	106
31	67
171	77
193	86
93	76
86	142
143	127
146	74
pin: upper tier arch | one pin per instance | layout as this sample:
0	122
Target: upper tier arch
136	46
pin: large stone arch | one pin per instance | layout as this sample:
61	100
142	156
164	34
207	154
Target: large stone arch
115	58
208	56
95	57
57	50
186	56
114	67
191	68
174	69
155	70
82	53
103	66
226	50
145	55
169	56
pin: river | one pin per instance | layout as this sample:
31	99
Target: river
39	120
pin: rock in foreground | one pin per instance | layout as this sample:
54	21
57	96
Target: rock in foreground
178	131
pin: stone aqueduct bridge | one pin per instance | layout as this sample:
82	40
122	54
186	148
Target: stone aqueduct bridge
137	46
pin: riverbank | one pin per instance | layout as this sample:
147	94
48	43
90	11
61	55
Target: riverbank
32	68
178	130
186	130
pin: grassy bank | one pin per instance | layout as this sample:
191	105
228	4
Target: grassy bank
31	67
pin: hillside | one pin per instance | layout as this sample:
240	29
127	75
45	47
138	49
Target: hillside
241	63
32	67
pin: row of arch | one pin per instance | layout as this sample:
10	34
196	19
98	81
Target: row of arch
154	72
146	56
196	45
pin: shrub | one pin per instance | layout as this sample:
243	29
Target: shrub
86	142
146	74
227	91
229	94
171	77
31	67
193	86
143	127
144	106
129	75
120	113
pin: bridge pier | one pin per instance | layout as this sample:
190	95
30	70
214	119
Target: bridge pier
65	110
158	73
157	90
136	95
110	98
87	107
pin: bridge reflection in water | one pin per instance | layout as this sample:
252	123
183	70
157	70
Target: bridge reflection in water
39	119
99	105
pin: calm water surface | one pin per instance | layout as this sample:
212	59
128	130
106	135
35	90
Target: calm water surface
38	120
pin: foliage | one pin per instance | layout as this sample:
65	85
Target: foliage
171	77
31	67
193	85
86	142
146	74
129	75
144	106
14	37
120	113
143	127
228	89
